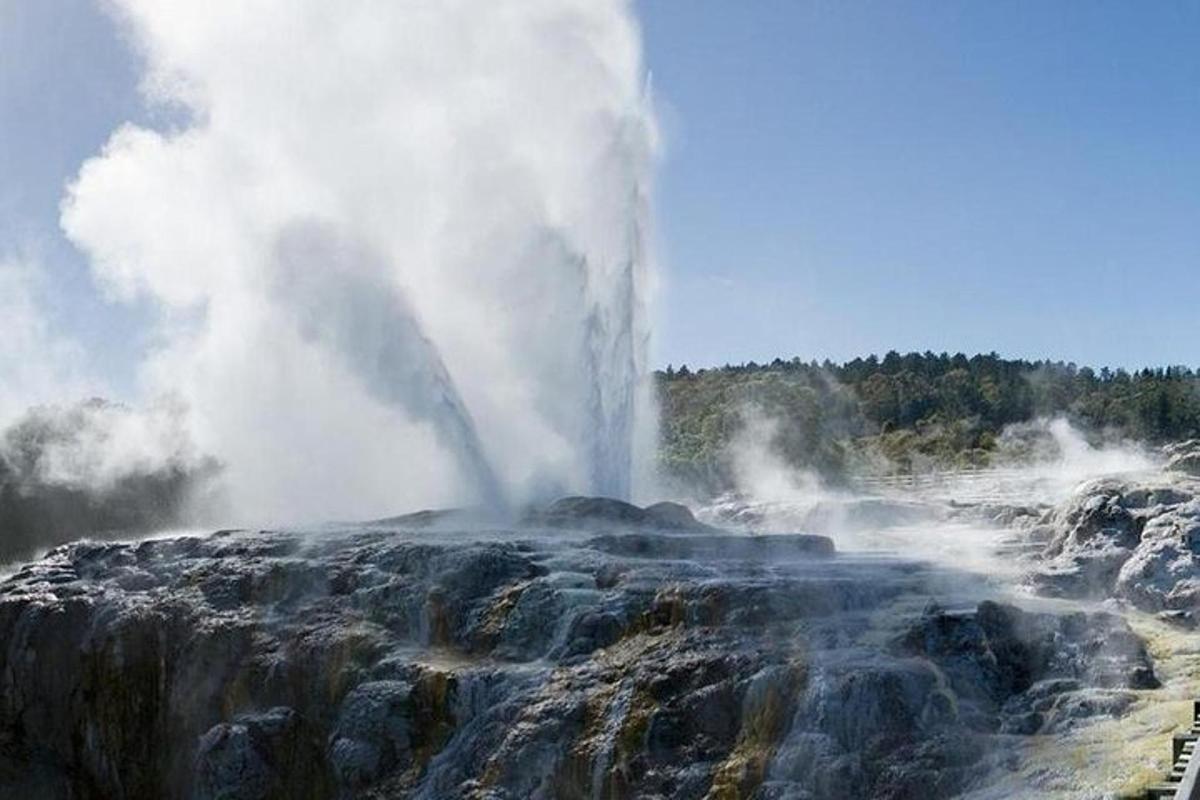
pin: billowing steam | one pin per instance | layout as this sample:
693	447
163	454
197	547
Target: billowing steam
759	470
1039	464
98	469
1060	453
400	249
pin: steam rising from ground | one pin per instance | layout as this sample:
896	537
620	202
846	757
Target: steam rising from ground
917	515
385	229
759	469
95	469
1061	456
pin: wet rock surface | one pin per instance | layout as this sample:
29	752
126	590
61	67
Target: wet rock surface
1028	673
628	655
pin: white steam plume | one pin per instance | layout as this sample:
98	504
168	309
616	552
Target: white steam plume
400	246
84	468
760	471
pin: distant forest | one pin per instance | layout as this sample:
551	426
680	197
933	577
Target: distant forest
905	412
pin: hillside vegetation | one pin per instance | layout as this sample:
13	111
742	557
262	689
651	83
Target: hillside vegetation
907	412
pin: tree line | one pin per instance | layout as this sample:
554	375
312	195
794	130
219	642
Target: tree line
902	411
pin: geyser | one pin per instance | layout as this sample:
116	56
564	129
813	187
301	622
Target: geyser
372	327
399	249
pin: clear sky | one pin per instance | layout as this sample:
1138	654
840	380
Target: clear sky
849	177
839	178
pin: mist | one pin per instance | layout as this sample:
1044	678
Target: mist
412	271
920	514
1065	455
96	469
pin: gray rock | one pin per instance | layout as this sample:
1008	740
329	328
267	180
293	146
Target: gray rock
1185	458
1133	540
605	513
446	663
258	756
372	733
1004	663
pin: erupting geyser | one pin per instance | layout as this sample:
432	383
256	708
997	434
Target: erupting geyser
399	244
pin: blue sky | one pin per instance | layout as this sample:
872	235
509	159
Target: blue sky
839	178
66	81
844	178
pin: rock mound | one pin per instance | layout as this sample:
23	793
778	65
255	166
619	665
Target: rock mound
1134	540
606	513
1184	457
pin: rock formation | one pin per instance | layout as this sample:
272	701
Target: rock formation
609	659
1136	540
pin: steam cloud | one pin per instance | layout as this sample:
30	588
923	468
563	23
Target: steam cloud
399	248
1040	462
759	470
98	469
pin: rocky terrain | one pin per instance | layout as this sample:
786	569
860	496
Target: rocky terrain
1135	539
594	650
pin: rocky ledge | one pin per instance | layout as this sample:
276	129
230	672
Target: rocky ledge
605	658
1137	540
